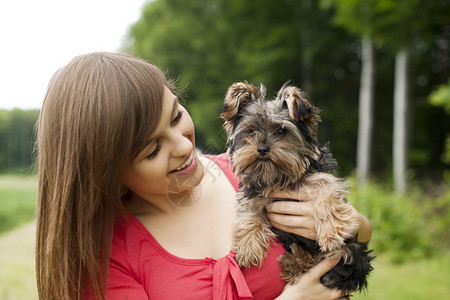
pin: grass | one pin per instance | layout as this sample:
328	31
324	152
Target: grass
17	236
17	271
17	200
427	279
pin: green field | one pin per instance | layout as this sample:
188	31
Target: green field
17	271
17	200
414	280
427	279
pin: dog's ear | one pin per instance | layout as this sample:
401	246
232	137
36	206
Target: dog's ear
237	97
300	110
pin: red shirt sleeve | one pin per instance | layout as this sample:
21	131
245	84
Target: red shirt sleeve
123	286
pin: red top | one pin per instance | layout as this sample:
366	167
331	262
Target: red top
140	268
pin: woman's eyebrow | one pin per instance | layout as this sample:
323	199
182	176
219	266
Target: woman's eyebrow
175	105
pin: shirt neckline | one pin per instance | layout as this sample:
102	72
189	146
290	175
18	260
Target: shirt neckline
161	249
164	252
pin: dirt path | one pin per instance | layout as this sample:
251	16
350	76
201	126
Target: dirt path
17	272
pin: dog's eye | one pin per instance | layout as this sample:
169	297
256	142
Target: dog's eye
281	131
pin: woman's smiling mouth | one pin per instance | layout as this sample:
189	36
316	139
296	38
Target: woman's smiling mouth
186	166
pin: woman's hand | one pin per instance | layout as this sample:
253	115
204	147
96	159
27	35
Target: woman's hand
296	217
291	216
309	286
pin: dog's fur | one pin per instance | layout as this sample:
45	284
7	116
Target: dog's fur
273	146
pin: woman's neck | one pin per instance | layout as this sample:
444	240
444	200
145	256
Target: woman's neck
162	204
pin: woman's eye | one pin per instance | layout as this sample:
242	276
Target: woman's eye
158	145
177	118
154	152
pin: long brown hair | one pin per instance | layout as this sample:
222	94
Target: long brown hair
97	114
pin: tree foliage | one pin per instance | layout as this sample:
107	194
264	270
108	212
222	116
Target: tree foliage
207	45
211	44
16	139
441	97
391	23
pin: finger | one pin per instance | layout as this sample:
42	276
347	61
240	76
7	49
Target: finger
290	208
323	267
304	232
295	221
290	194
337	294
345	294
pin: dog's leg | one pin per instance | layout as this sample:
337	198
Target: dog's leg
252	236
332	214
294	263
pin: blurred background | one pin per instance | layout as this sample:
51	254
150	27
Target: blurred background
378	69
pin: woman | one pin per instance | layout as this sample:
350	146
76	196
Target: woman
127	209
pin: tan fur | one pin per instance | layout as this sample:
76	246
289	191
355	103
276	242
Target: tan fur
295	97
334	222
239	94
298	261
251	235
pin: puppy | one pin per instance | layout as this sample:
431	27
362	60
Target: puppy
272	147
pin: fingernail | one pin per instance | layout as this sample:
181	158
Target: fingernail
337	259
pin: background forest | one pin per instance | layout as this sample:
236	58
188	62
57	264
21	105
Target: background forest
378	69
316	45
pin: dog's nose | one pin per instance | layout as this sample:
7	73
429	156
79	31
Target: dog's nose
263	150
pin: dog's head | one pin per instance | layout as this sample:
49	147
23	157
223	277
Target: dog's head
272	142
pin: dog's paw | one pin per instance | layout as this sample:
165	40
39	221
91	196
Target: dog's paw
252	238
246	259
334	217
334	226
251	251
294	263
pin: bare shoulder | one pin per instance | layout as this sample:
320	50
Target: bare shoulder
215	180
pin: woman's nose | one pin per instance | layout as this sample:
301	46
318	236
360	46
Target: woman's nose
182	143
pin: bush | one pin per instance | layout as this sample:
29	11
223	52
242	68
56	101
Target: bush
437	212
404	226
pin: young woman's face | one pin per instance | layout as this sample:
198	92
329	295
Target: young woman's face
169	163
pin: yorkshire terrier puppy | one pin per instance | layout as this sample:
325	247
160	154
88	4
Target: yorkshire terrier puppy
272	147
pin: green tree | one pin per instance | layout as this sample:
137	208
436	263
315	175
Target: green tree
357	19
16	139
208	45
408	22
211	44
396	26
441	97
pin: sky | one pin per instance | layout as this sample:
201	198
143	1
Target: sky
37	37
